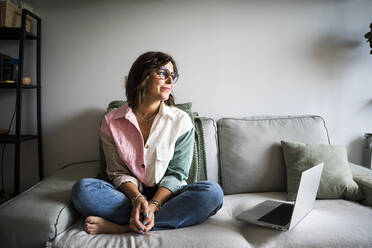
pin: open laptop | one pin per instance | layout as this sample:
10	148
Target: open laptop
286	215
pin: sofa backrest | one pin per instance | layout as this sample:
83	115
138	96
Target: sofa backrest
250	154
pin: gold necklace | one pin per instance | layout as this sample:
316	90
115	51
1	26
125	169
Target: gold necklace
145	120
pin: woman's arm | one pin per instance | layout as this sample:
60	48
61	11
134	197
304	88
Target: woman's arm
178	168
161	196
140	205
116	169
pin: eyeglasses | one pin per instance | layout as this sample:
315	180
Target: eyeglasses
165	73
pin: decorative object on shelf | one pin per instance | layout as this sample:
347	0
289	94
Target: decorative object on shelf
11	16
367	150
26	80
368	36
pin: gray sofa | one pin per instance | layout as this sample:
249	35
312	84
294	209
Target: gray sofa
245	157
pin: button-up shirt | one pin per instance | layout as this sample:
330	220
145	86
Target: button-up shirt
164	160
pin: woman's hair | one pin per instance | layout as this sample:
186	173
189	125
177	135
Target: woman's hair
136	83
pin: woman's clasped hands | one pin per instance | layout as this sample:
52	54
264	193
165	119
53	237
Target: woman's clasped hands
143	215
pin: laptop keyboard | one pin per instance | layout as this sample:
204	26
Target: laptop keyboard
280	215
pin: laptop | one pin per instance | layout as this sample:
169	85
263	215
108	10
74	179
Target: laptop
286	215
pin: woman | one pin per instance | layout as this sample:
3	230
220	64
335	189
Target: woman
148	145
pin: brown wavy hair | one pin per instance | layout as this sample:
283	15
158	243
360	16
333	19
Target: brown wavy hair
136	84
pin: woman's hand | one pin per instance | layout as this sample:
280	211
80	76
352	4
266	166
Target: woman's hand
149	222
140	212
143	213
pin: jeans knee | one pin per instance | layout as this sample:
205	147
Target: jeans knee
212	192
79	186
79	190
217	192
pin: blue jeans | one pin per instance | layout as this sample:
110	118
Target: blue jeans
191	205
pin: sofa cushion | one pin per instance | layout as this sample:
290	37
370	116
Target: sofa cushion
332	223
336	180
218	231
39	214
251	159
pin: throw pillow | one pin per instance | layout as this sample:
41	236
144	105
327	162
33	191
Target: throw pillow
336	180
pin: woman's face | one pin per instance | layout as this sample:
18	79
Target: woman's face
159	89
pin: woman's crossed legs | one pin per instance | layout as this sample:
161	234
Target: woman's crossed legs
108	210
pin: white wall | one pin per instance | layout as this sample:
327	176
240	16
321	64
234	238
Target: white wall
236	59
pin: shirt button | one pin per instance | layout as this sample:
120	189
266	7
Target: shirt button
142	166
147	146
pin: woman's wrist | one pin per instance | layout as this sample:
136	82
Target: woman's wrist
156	204
135	199
152	207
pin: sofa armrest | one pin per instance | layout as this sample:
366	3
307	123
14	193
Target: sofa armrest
39	214
363	177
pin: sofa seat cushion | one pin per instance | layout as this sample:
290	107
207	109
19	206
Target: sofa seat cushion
219	231
332	223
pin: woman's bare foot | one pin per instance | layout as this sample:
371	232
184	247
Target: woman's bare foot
97	225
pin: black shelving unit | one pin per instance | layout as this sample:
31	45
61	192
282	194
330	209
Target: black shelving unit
20	34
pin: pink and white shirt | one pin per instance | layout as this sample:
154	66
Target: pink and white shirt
128	159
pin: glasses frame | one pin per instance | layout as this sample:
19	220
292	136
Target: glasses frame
174	75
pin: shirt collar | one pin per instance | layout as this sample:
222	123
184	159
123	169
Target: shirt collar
123	111
127	112
166	110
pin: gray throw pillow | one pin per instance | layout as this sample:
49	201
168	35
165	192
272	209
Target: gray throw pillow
336	180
